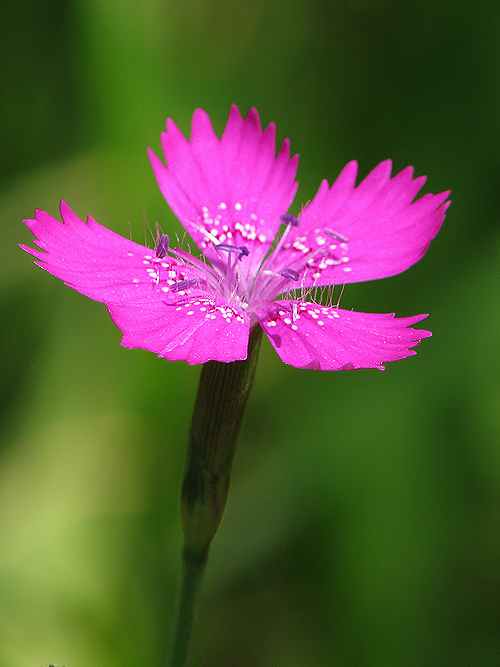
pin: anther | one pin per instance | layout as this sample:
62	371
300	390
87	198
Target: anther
241	250
290	273
161	248
183	284
336	235
290	219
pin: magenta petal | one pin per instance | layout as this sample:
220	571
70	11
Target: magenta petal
157	302
99	263
231	190
386	231
308	335
199	331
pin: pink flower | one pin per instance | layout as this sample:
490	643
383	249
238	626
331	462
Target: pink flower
232	195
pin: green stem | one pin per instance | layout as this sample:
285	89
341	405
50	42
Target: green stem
193	566
217	416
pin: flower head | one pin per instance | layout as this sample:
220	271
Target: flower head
232	195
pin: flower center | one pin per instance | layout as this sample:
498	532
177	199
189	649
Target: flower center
184	277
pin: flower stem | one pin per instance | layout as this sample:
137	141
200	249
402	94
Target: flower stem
217	416
193	566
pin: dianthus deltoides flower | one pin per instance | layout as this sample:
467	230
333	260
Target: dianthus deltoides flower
232	195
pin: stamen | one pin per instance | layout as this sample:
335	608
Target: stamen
336	235
231	248
161	248
290	273
242	250
183	284
290	219
207	235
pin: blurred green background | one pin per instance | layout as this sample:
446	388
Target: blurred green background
363	527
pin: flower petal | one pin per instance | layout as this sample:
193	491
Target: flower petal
230	190
308	335
159	304
351	234
103	265
196	331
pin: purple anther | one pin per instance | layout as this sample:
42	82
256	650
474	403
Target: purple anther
336	235
183	284
290	219
290	273
228	248
161	248
241	250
